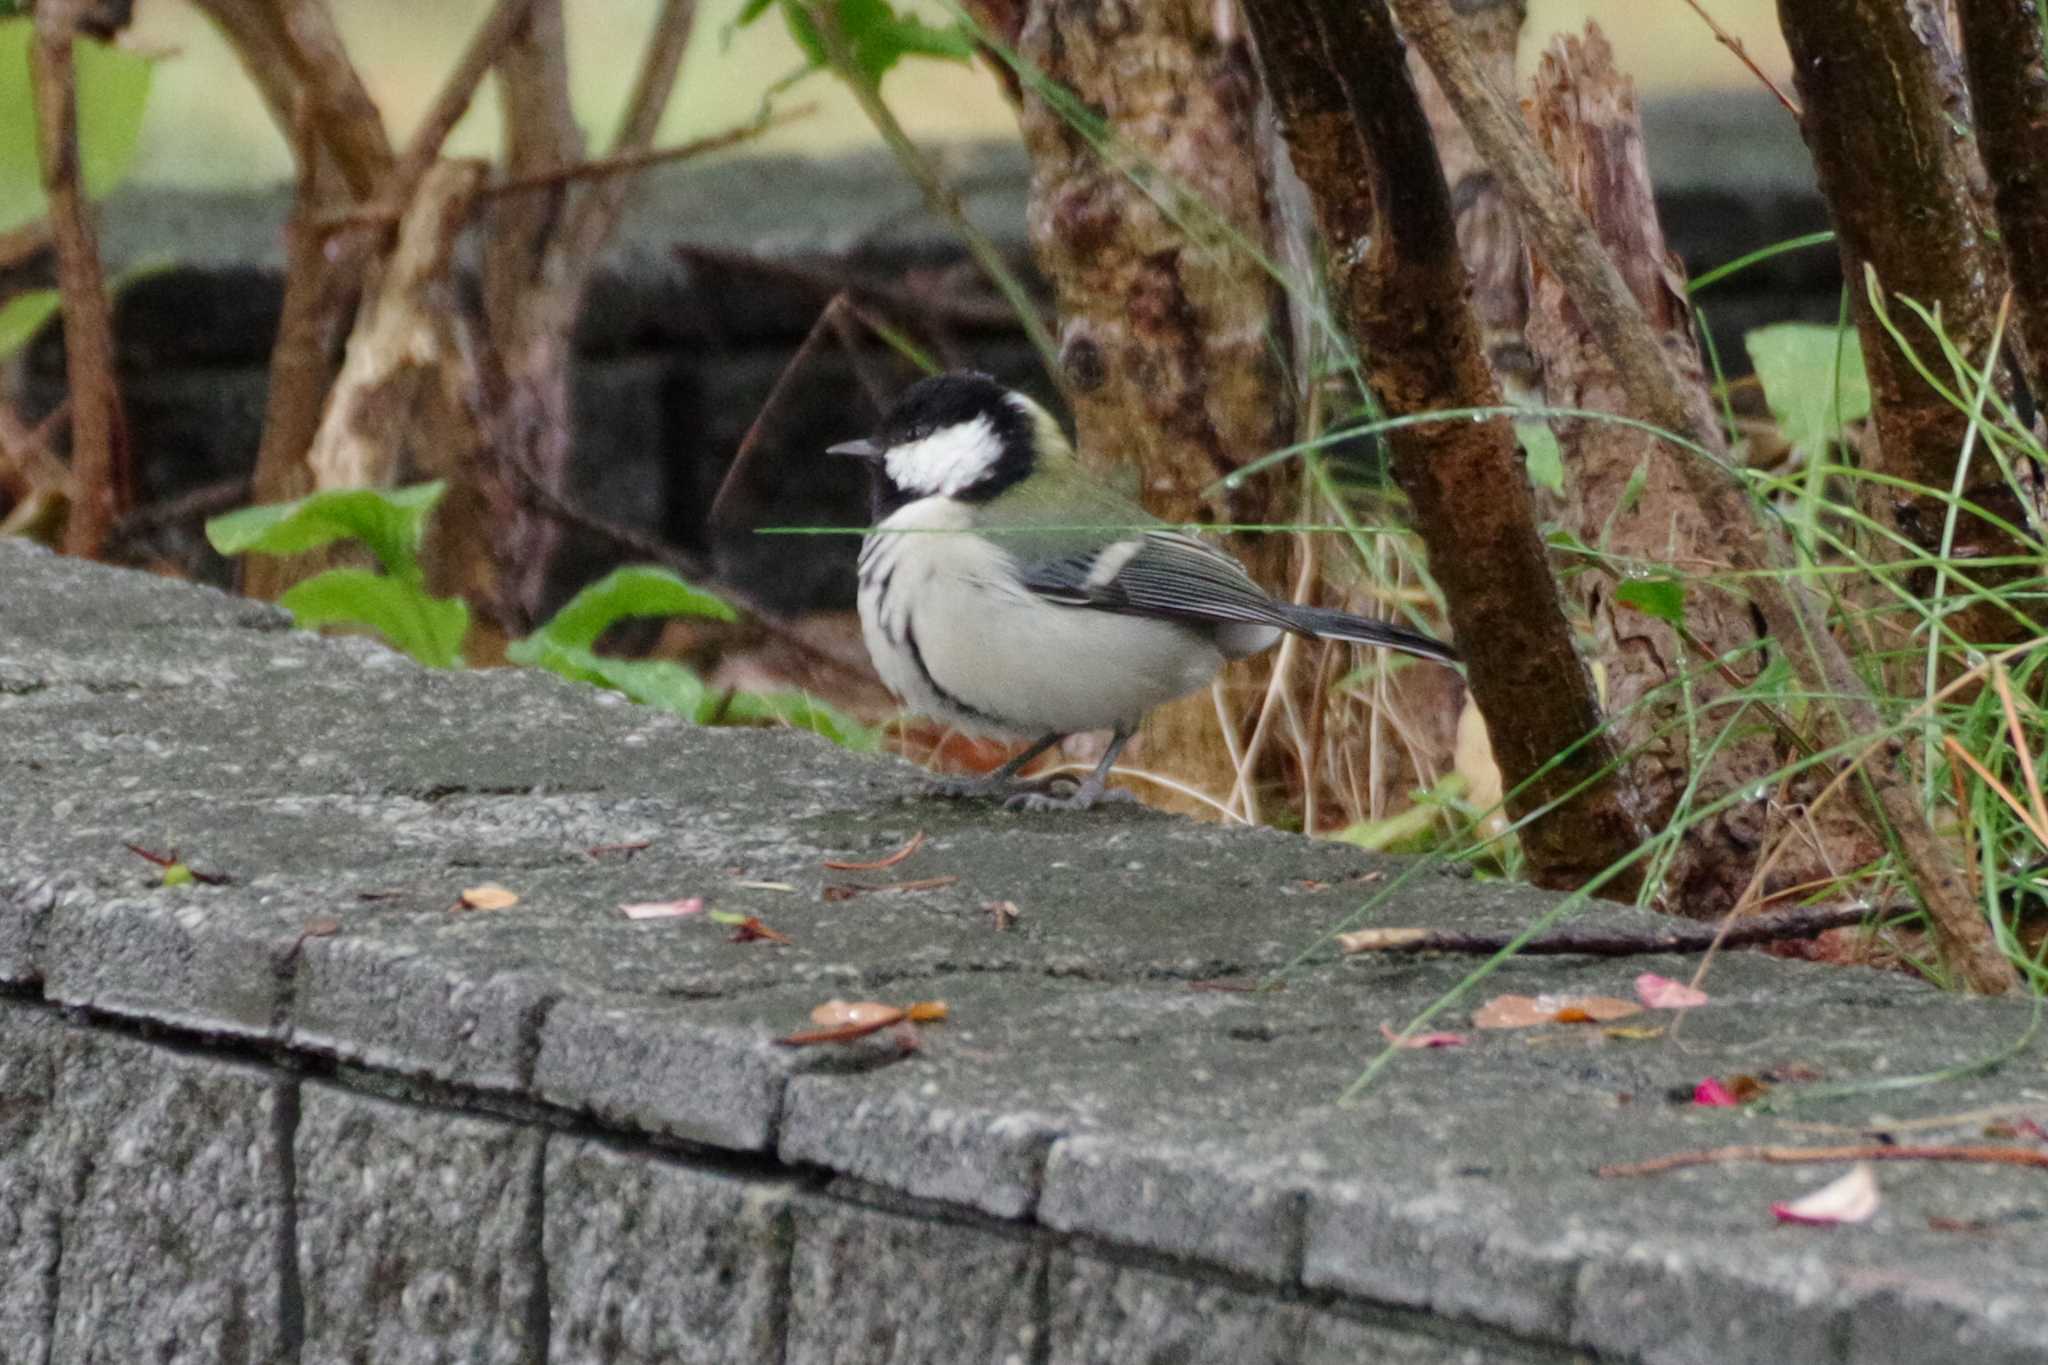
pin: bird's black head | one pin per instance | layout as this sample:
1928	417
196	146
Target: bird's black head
956	435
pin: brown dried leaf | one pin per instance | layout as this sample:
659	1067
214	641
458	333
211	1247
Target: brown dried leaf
928	1011
751	929
488	896
1528	1011
838	1013
1003	913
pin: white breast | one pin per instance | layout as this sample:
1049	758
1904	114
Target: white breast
953	634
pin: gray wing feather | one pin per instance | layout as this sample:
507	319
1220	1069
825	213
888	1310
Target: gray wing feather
1176	577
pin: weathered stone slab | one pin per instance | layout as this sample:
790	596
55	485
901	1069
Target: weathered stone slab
869	1287
650	1262
419	1234
176	1206
32	1188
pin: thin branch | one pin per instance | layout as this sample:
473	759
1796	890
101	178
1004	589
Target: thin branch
1747	542
1796	1156
629	163
498	29
1680	937
1734	44
102	479
593	220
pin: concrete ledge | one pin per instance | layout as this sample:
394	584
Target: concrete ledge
549	1133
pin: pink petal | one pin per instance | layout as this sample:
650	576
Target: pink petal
1852	1199
662	909
1662	993
1711	1093
1424	1039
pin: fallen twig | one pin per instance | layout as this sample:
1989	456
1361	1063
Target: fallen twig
1983	1153
1678	937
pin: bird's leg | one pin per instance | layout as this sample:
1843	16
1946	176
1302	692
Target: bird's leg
996	783
1094	789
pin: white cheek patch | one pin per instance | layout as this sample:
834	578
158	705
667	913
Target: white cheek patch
946	461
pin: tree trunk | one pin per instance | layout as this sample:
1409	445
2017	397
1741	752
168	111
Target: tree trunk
1901	184
1362	145
1168	324
1626	496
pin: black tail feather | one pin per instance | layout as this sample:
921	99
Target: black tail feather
1341	625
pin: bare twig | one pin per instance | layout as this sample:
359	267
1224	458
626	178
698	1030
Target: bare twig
102	480
628	163
1861	1151
453	100
1747	542
1734	44
1680	937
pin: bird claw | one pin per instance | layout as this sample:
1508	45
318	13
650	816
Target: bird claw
1082	799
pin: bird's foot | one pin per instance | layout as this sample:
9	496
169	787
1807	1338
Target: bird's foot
1087	795
991	785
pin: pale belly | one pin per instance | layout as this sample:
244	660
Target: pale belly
991	658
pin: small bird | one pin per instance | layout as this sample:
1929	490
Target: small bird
1007	592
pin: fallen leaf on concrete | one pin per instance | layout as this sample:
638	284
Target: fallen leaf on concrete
489	896
1528	1011
766	886
1852	1199
748	929
1004	914
1662	993
1711	1094
841	865
177	872
323	926
873	1013
675	909
842	1021
1423	1040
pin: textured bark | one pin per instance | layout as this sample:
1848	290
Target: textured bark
2007	60
1166	330
1361	143
102	478
539	260
1488	237
1874	77
406	406
1744	540
1625	494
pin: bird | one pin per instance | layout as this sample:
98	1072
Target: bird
1008	592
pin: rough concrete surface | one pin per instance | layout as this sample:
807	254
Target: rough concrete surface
315	1113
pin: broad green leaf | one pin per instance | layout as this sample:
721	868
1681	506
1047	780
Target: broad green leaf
804	712
652	682
1663	598
113	88
21	315
1796	363
634	591
1541	454
392	522
426	627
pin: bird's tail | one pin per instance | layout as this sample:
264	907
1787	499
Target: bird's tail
1326	624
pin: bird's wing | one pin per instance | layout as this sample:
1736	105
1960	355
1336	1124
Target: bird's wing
1159	573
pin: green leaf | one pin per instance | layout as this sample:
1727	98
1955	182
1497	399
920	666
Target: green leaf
877	36
1541	454
428	628
22	315
635	591
725	916
801	711
651	682
1663	598
1796	363
177	874
392	522
113	88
